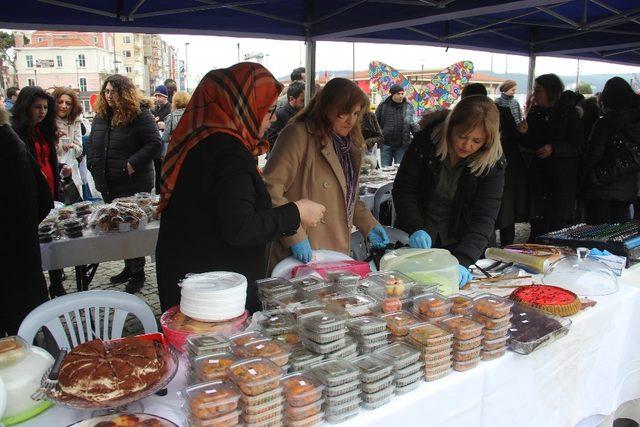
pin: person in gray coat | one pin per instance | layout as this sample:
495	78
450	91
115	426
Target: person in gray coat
396	117
178	105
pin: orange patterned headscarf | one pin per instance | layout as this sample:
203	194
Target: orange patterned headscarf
230	100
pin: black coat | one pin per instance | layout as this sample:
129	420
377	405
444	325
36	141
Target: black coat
25	199
515	197
283	115
476	205
554	180
219	218
600	151
398	122
161	112
110	148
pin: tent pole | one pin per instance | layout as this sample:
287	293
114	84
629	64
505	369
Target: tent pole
310	69
531	73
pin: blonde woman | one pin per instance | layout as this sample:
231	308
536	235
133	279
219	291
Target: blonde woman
178	104
449	186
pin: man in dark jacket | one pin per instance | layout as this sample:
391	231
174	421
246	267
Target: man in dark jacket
295	102
26	200
397	120
160	112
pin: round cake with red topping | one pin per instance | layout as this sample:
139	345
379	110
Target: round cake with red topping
551	299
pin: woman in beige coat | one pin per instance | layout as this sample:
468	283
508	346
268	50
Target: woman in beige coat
318	156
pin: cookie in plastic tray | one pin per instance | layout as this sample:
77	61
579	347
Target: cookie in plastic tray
378	385
487	355
407	388
350	347
255	376
231	419
371	368
298	413
492	334
323	322
264	398
246	337
400	322
324	348
324	338
273	286
207	343
302	358
264	417
465	356
342	389
462	304
436	363
333	373
353	304
307	422
465	366
432	357
491	323
210	400
429	335
409	370
470	344
462	328
432	305
276	351
366	325
278	402
492	306
302	389
212	367
399	354
489	345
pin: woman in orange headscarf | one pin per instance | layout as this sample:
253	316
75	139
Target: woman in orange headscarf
216	212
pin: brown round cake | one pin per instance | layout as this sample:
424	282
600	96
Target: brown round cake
551	299
95	372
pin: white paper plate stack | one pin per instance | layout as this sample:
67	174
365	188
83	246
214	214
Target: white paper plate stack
213	297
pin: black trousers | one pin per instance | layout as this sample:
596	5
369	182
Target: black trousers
540	226
507	235
606	211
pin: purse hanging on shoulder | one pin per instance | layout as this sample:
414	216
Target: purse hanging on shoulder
625	161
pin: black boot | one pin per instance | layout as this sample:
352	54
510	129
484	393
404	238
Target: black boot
121	277
135	283
56	290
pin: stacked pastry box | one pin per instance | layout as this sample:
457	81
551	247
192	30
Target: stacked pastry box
272	288
407	366
467	341
369	332
324	333
377	381
209	357
390	289
261	394
399	322
435	345
303	397
494	313
281	326
342	389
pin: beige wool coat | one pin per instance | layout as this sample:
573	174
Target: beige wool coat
304	165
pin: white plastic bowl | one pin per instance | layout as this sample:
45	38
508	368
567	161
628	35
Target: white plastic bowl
285	267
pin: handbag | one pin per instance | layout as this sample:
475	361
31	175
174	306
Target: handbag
624	157
70	192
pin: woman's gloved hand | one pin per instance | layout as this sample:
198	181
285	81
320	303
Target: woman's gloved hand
464	276
420	239
378	237
302	251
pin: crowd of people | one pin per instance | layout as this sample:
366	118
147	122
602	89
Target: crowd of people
463	174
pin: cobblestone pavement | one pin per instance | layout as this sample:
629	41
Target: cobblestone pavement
150	290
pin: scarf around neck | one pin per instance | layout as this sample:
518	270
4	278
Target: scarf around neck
510	102
342	146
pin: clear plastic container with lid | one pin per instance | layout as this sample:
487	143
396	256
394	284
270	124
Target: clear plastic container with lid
399	354
462	304
207	343
308	308
277	322
307	422
276	351
433	266
331	410
492	306
492	334
462	328
373	338
409	379
303	358
437	363
255	376
319	292
210	400
467	365
495	344
400	322
582	274
289	300
491	323
212	367
342	389
378	403
533	328
375	387
273	286
465	356
324	349
496	353
225	420
341	399
323	322
304	283
274	414
470	344
277	403
333	373
370	348
434	376
324	338
367	325
302	389
432	357
429	335
336	419
263	398
349	350
353	304
371	368
298	413
344	281
380	395
384	284
409	370
432	305
246	337
407	388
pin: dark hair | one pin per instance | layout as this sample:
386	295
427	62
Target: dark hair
12	91
76	109
552	84
296	74
618	95
295	89
21	120
473	89
171	85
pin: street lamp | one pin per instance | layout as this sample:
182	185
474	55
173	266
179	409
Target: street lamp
186	67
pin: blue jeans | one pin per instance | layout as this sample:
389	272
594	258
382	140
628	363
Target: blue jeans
392	153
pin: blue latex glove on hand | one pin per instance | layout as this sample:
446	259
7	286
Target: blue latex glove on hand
464	276
378	237
302	251
598	252
420	239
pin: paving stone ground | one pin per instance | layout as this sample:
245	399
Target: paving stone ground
149	292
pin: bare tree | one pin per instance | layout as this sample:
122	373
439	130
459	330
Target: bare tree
7	58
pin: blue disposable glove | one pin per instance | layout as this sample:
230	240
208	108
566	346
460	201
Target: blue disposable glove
420	239
302	251
378	237
464	276
598	252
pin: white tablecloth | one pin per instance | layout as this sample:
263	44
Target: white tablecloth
94	248
592	370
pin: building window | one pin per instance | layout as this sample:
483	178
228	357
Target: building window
83	84
29	61
81	61
39	39
95	39
127	54
59	60
128	69
127	39
31	82
86	107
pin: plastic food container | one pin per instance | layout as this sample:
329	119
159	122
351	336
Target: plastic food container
462	328
333	373
276	351
304	283
438	363
210	400
461	304
207	343
431	266
336	419
323	323
375	405
429	335
226	420
275	422
367	325
375	387
470	344
437	375
487	355
403	382
288	299
319	292
324	338
342	389
491	323
262	399
246	337
432	357
386	284
492	306
350	349
331	410
308	308
265	407
344	281
371	368
255	376
341	399
263	417
465	356
212	367
353	304
324	348
307	422
277	323
400	322
465	366
406	389
495	344
533	328
303	358
298	413
273	286
432	305
409	370
400	355
373	338
302	389
492	334
381	395
370	348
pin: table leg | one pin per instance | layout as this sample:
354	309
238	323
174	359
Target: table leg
84	276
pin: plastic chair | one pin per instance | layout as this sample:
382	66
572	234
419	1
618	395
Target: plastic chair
382	195
62	311
358	247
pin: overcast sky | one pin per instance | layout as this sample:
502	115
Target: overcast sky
207	52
